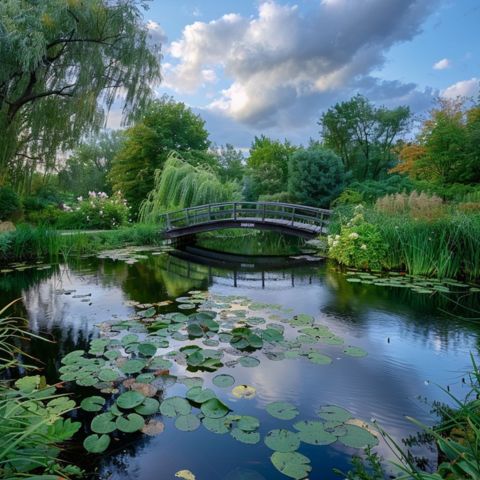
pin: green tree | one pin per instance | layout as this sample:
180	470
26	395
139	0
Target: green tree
87	167
231	163
166	126
364	136
316	176
64	63
268	167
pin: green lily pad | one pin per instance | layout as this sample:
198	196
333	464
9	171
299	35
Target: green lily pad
133	366
103	423
187	423
248	423
148	407
92	404
72	357
355	352
249	362
160	364
174	406
282	440
112	354
282	410
292	464
130	399
216	425
131	423
147	349
214	408
314	433
332	413
107	375
145	378
96	444
250	438
198	395
319	358
223	381
129	339
357	437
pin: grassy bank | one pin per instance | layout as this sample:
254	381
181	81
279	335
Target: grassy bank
31	243
440	246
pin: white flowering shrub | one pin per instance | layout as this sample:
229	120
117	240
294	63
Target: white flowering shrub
359	244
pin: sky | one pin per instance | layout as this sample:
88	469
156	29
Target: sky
271	67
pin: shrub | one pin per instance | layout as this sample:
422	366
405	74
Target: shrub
348	197
316	176
9	203
359	244
282	197
373	189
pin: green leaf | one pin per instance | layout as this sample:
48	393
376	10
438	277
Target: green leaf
131	423
214	408
282	440
319	358
282	410
314	433
92	404
28	384
195	330
355	352
248	423
96	444
133	366
357	437
187	423
198	395
130	399
147	349
107	375
223	381
332	413
250	438
249	362
103	423
292	464
174	406
148	407
216	425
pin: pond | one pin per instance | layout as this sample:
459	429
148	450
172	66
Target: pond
379	353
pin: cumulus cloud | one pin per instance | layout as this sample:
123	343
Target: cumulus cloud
283	66
442	64
156	33
464	88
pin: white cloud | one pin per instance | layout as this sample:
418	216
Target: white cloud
283	66
464	88
156	32
442	64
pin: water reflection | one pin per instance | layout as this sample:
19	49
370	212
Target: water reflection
412	346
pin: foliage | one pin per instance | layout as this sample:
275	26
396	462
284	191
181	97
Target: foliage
447	149
231	163
359	244
165	127
416	205
370	190
9	203
348	197
282	197
180	185
63	65
268	167
316	177
86	168
363	135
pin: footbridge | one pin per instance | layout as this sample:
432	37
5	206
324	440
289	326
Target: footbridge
291	219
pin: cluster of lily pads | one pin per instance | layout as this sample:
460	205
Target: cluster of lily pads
415	284
136	360
22	266
131	255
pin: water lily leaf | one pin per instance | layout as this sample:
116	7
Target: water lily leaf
107	375
133	366
244	391
160	364
355	352
223	381
282	440
216	425
314	433
87	381
195	330
186	306
332	413
214	408
29	383
185	475
292	464
174	406
130	399
187	423
250	438
146	389
112	354
357	437
128	339
272	335
248	423
148	313
145	378
249	362
147	349
103	423
148	407
302	320
191	382
282	410
92	404
96	444
153	427
196	359
131	423
198	395
319	358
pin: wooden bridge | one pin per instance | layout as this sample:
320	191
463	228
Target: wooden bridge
298	220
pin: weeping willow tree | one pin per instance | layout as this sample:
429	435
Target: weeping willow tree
181	185
63	65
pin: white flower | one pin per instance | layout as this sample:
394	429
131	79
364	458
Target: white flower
101	212
363	247
337	237
353	236
92	194
80	199
335	243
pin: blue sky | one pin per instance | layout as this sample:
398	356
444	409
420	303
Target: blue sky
272	67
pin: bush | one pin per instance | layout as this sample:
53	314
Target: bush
370	190
9	203
359	244
282	197
348	197
316	176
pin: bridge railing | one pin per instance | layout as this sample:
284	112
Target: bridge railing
248	211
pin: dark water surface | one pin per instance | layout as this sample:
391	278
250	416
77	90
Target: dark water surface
412	345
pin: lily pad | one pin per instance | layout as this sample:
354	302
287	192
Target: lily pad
148	407
130	399
96	444
332	413
199	395
250	438
174	406
92	404
223	381
153	427
107	375
214	408
357	437
103	423
249	362
185	475
147	349
244	391
216	425
319	358
314	433
282	440
282	410
133	366
131	423
292	464
355	352
187	423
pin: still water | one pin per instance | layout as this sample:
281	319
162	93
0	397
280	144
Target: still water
413	342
